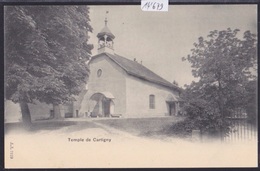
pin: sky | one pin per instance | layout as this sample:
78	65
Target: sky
161	39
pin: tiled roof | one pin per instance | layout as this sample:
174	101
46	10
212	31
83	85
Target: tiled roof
138	70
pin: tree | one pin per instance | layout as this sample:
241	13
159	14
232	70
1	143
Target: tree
251	105
224	64
45	53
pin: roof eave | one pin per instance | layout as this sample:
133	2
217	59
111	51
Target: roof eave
105	33
153	81
138	76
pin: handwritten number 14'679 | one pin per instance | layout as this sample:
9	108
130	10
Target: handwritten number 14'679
153	5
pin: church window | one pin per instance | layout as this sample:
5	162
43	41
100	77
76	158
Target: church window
99	72
152	101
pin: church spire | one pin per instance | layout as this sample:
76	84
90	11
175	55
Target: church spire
105	39
106	21
106	18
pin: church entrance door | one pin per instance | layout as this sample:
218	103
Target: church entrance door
104	106
171	108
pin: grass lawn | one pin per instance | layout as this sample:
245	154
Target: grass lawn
142	126
156	127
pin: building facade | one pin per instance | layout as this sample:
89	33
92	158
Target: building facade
118	86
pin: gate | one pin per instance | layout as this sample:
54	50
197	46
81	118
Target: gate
242	130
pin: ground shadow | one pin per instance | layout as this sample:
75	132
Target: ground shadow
48	126
165	133
155	128
36	126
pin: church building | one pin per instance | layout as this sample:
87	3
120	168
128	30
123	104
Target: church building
116	87
121	87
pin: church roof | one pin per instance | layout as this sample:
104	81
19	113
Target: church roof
138	70
105	31
171	98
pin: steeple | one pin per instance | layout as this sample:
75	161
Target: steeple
106	21
105	39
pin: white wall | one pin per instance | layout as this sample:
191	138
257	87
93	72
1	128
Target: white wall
131	93
12	112
112	80
37	111
40	110
138	92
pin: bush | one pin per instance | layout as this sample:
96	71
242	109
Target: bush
183	128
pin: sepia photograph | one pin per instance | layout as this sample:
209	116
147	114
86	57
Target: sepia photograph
117	86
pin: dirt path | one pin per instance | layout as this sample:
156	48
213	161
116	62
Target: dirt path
115	131
97	145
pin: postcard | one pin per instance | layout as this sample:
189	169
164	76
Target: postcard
117	86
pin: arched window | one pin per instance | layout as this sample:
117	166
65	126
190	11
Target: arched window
99	72
152	101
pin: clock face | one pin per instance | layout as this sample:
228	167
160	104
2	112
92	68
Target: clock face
99	72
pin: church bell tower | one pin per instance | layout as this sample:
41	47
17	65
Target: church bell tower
105	40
